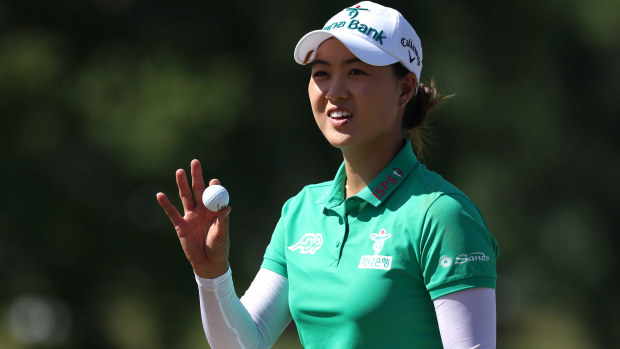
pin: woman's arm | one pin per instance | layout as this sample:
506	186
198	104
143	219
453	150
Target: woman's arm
467	319
254	321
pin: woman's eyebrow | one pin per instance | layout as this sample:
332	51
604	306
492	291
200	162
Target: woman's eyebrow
351	61
345	62
319	62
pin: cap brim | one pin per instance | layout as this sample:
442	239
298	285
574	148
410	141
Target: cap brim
361	48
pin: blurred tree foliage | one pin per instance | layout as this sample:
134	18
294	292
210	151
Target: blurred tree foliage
103	100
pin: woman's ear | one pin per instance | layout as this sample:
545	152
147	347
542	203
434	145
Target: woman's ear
407	88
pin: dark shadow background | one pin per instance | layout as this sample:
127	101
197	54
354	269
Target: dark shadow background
102	100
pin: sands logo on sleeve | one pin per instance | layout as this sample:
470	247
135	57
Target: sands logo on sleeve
377	261
472	257
446	261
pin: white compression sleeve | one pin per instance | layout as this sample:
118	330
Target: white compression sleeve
467	319
255	321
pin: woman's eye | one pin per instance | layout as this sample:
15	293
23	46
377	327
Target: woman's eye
357	72
318	74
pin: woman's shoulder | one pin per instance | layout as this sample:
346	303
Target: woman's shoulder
438	193
427	180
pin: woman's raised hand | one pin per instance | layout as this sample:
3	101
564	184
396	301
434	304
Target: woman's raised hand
203	234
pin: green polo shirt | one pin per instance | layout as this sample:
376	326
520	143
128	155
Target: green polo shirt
363	270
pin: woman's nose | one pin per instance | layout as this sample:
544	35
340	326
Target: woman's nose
337	90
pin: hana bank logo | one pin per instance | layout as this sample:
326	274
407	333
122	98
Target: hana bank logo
376	34
377	261
379	240
353	11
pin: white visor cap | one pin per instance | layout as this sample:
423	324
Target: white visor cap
375	34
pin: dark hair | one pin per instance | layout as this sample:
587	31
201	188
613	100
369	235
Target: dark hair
418	109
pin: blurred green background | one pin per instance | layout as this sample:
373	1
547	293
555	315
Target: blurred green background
102	100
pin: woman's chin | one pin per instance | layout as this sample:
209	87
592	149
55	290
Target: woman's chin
339	141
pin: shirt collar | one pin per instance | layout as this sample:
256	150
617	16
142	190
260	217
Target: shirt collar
381	187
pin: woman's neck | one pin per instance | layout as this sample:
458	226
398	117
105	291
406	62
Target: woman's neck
363	164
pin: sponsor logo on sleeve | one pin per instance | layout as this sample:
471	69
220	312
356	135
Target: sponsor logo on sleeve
446	261
472	257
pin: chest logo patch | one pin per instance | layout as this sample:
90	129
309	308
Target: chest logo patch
377	261
308	244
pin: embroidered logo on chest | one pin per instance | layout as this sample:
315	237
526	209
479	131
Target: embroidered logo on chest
308	244
377	261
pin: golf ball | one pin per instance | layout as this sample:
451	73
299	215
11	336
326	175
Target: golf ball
215	197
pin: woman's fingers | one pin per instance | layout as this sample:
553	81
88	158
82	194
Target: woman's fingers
187	199
216	247
203	234
223	219
218	237
198	183
169	208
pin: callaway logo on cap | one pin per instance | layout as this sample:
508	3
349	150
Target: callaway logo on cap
375	34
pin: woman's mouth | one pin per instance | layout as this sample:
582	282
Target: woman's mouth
339	114
339	118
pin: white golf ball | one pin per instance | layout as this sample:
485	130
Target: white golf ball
215	197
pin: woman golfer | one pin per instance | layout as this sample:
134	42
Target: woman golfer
387	254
